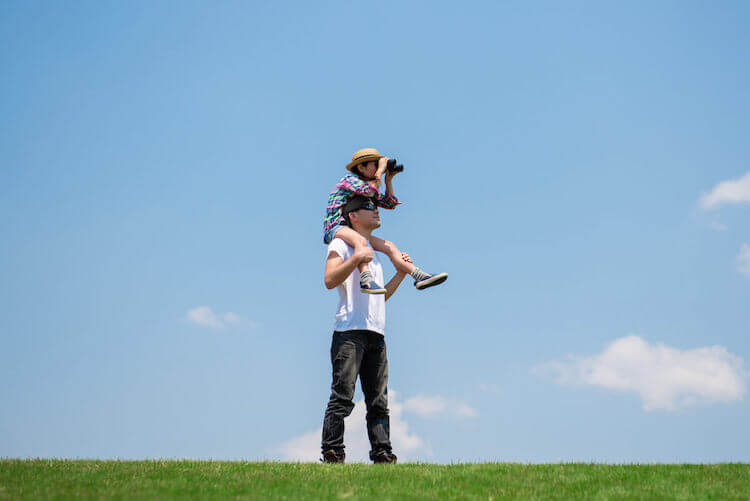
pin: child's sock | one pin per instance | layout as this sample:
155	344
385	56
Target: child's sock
365	277
418	275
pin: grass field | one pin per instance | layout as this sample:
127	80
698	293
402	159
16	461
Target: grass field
50	479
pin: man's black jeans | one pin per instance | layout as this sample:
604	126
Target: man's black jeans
358	352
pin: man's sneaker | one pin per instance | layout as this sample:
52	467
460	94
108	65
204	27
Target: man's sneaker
383	457
431	280
333	456
371	288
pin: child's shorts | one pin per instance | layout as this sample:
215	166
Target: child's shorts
331	234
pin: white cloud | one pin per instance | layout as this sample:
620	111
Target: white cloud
465	411
743	260
426	406
728	192
405	444
205	317
231	318
432	406
719	226
306	448
665	378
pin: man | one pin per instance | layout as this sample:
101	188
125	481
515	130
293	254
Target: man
358	346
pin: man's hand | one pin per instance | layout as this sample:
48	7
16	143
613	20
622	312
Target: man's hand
337	270
363	255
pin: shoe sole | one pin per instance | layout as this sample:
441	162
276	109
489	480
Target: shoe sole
434	280
372	291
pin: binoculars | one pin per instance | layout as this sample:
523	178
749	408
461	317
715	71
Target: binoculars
393	167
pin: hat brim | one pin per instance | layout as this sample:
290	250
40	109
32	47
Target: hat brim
362	160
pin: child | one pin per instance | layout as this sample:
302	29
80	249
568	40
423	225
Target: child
366	169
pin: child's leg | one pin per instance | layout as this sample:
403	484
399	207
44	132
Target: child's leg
366	283
390	250
422	280
355	240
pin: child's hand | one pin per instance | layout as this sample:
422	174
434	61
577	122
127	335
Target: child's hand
405	257
382	166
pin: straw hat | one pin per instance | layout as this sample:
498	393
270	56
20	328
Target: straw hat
363	156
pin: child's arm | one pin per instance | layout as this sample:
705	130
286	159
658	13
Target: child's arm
389	184
382	167
389	200
356	186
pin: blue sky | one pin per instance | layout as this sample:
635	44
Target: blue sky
579	169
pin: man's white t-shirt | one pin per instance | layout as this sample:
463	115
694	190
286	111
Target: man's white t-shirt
356	310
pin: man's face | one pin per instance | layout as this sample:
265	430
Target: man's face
367	217
368	169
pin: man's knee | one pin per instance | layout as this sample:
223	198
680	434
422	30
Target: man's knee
377	412
378	407
342	394
342	389
339	405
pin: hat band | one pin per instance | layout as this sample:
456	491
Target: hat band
365	156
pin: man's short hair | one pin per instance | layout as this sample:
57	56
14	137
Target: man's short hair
354	204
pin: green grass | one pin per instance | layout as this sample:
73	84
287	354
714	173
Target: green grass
58	479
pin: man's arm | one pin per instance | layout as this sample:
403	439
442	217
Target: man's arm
391	286
337	270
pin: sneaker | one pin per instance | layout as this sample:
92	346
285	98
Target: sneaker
431	280
333	456
383	457
371	288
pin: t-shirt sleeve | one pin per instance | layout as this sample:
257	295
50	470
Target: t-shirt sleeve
339	247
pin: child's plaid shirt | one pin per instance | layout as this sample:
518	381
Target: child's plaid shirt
349	186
